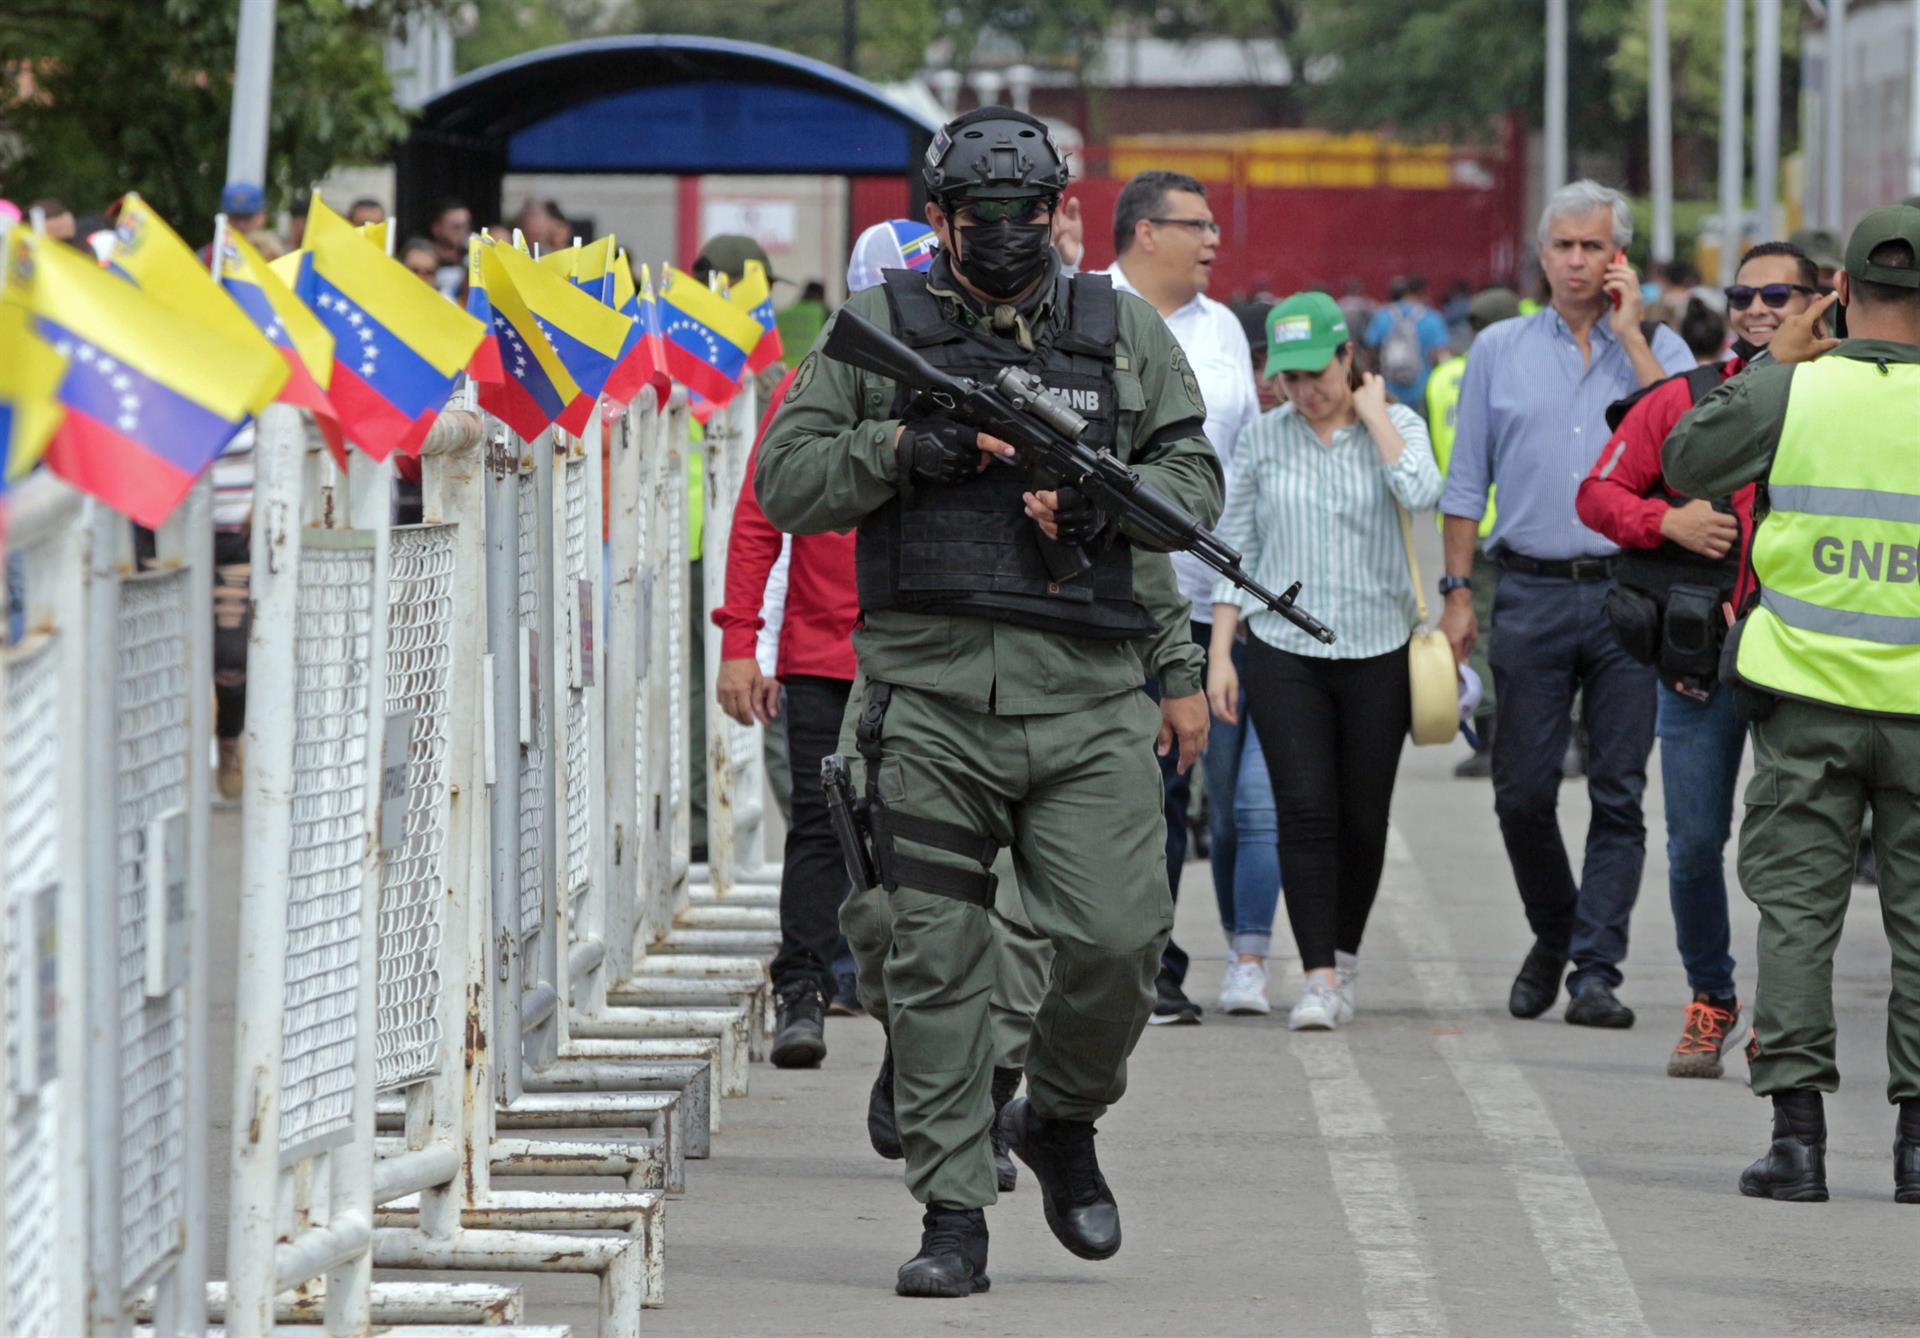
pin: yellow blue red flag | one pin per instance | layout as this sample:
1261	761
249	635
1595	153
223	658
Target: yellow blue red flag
151	396
707	339
296	332
587	334
30	374
642	361
533	388
398	344
754	295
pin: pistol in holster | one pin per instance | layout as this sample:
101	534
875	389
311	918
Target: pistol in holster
848	814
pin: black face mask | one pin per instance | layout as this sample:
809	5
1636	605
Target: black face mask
1744	350
1004	259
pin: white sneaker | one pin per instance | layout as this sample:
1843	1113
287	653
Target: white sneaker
1244	991
1320	1008
1346	970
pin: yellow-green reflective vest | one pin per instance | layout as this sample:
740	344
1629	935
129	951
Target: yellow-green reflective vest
1838	555
1443	420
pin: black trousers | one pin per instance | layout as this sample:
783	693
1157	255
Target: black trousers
813	880
232	624
1331	731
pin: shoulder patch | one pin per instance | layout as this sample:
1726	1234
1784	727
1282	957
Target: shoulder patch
802	378
1181	367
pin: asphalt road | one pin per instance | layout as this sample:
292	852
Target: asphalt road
1435	1169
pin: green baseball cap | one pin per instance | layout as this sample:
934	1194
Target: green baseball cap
1822	245
1894	223
729	253
1303	332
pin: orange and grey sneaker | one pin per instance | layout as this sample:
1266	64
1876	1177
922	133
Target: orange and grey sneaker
1711	1028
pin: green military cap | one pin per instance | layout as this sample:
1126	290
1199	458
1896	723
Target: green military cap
1303	332
1822	245
1894	223
729	253
1489	306
1912	202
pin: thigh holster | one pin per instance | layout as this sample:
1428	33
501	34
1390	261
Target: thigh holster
870	829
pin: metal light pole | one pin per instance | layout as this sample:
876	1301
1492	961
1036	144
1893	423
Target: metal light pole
1833	170
1913	108
1660	130
1766	116
1733	66
252	93
1556	111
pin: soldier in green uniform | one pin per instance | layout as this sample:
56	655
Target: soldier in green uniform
999	707
1828	663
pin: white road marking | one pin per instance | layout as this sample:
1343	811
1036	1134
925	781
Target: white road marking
1378	1201
1594	1288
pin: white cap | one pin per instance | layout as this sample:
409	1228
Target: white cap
898	243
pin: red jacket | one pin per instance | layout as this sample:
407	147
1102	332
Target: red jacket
816	638
1615	498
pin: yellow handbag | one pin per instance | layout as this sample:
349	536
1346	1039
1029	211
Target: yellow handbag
1432	673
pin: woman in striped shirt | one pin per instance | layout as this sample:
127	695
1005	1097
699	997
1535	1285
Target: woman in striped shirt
1313	498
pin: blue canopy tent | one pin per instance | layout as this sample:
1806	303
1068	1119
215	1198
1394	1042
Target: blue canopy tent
650	104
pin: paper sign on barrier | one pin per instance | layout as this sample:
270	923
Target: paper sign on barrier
395	755
163	866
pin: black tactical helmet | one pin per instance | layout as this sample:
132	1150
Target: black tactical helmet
993	153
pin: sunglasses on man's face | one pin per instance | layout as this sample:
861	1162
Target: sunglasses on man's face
1776	295
1010	211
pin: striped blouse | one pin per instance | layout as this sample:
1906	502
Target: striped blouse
1323	515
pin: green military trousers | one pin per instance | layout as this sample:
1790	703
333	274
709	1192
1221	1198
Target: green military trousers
1074	799
1818	772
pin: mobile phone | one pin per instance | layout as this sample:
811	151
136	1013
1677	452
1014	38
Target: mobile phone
1619	258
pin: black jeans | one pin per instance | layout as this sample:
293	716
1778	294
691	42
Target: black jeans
1331	731
813	880
232	624
1552	638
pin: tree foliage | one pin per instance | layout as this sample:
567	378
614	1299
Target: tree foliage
106	96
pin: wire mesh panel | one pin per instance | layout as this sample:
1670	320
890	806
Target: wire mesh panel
328	840
411	929
151	707
533	797
578	783
31	790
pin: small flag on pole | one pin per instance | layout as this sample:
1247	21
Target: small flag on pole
151	396
707	339
587	334
755	297
533	387
303	342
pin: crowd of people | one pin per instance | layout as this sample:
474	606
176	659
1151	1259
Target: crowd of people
1587	612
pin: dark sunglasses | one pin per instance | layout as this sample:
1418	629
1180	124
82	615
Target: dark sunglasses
1776	295
1010	211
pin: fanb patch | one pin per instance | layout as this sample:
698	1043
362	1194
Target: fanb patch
802	378
1187	378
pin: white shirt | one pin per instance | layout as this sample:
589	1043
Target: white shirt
1211	337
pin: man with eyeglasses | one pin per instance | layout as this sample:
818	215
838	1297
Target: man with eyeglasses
1681	561
1826	666
1164	238
997	706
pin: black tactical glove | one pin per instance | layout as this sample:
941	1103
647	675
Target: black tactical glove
1077	520
938	450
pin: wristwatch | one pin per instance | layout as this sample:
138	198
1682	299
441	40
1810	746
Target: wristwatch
1448	584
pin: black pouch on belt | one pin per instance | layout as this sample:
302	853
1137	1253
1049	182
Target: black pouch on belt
1691	633
1636	621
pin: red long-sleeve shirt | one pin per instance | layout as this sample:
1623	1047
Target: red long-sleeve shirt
816	637
1615	498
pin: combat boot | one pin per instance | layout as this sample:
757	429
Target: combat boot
883	1124
799	1037
953	1254
1079	1207
1795	1167
1005	1083
1906	1154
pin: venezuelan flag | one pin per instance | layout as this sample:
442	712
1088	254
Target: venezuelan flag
398	344
755	297
588	268
485	368
533	389
302	341
31	370
152	256
151	396
587	335
642	361
706	338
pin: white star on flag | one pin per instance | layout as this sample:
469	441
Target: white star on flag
354	318
85	353
326	301
366	369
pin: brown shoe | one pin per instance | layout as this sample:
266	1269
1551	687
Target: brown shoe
1707	1035
232	774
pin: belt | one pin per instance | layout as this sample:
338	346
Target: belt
1567	569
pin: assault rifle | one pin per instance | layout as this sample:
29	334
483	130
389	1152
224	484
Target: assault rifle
1018	409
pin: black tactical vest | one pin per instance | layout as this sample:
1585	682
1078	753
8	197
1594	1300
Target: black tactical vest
969	549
